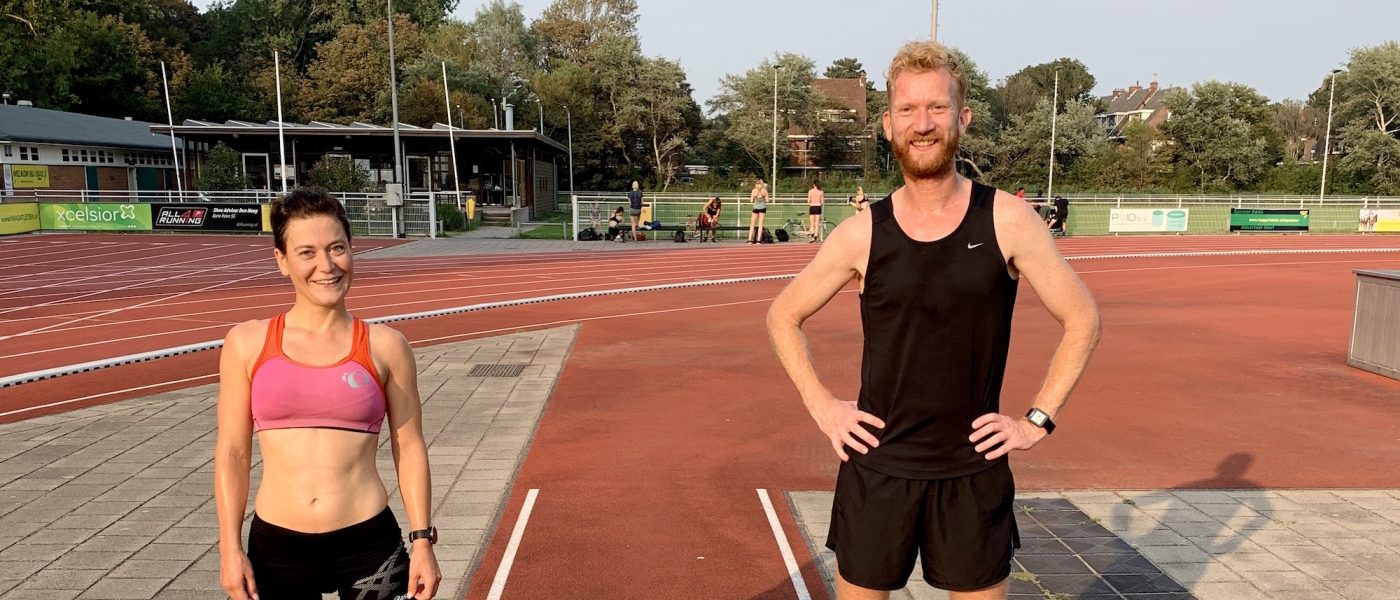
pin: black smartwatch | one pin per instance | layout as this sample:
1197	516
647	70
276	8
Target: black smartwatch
429	534
1038	418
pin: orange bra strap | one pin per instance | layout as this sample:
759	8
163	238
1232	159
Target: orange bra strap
272	344
361	353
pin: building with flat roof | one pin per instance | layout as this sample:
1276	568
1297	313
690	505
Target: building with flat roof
484	156
43	149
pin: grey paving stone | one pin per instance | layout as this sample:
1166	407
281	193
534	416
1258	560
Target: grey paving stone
148	569
31	551
124	589
82	559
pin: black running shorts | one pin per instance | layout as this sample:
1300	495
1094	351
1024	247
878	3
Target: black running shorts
814	210
963	528
365	561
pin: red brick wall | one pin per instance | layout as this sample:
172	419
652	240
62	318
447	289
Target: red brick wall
111	178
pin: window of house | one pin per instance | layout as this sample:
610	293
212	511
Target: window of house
65	155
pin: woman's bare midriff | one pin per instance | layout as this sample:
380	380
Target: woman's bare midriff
317	480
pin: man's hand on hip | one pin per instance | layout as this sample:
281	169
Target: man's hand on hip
1010	433
840	420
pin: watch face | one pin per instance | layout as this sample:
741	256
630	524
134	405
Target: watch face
1038	418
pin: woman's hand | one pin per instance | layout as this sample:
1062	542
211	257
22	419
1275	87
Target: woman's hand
423	573
236	576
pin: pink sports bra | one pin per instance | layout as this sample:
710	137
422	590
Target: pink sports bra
345	395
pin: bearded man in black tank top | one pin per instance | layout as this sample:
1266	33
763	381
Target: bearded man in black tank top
924	448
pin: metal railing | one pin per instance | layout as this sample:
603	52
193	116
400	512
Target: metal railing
1089	214
368	213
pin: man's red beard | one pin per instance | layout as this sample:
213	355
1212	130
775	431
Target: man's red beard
928	165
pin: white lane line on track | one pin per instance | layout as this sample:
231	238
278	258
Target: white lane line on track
794	573
134	306
63	402
127	273
498	585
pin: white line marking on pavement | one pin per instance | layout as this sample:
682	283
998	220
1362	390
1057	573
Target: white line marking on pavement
498	586
793	572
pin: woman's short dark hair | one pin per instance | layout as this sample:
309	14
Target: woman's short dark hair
303	203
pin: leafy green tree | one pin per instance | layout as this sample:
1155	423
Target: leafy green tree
1296	123
213	93
1221	130
1024	148
223	170
844	68
340	174
568	29
1368	94
1022	91
348	81
747	103
832	146
655	108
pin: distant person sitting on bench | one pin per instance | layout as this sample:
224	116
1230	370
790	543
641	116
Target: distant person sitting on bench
615	224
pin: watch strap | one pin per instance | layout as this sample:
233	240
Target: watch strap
1040	419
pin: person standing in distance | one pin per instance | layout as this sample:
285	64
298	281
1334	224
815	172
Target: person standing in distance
924	448
815	198
758	197
634	198
316	384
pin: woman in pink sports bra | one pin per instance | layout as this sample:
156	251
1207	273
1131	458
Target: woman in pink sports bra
315	384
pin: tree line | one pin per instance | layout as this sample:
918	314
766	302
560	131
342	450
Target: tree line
634	116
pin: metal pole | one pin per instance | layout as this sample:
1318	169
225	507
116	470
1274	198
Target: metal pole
281	142
447	104
1054	110
1327	145
179	186
773	185
495	120
540	104
394	106
933	26
570	117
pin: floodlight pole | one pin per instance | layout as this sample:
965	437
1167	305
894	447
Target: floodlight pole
773	185
451	143
394	106
1054	110
179	186
1327	145
281	142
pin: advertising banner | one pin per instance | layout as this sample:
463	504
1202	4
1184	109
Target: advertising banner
1268	219
208	217
95	216
19	218
30	176
1380	220
1147	220
267	218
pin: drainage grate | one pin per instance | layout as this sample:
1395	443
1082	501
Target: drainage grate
497	370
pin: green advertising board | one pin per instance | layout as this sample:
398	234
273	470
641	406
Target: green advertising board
1268	219
95	216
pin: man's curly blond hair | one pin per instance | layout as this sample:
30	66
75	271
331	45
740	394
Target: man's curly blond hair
922	57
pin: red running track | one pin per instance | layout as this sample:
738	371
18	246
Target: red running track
671	410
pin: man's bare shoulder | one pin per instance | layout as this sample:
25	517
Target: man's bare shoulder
1009	211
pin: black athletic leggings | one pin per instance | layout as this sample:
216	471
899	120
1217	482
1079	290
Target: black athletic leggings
365	561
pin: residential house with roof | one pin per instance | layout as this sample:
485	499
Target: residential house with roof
510	167
1136	104
42	149
848	98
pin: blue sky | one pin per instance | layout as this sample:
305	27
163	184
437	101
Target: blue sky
1283	48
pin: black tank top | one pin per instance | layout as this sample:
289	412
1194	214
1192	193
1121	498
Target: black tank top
937	323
